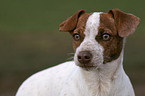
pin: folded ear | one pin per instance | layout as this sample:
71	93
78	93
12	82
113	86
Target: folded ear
70	24
126	23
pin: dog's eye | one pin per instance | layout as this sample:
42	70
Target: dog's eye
106	36
76	37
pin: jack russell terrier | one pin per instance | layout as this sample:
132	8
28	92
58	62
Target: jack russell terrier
97	69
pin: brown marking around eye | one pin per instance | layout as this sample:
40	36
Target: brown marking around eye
112	47
80	28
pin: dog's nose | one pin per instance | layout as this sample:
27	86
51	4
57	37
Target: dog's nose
84	57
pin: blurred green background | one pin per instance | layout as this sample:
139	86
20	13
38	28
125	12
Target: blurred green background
30	40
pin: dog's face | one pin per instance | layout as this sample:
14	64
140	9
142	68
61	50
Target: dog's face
98	37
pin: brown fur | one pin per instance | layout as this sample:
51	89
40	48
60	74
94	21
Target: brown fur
70	24
125	23
80	28
118	24
112	47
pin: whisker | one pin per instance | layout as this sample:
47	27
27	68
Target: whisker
107	57
71	57
71	53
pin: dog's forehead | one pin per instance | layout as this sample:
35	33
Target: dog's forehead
90	23
107	22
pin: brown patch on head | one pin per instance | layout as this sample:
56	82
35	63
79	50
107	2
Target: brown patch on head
113	46
116	24
75	25
80	28
70	24
125	23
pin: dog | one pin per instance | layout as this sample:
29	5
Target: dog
97	69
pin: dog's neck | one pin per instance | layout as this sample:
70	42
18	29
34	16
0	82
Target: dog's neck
101	78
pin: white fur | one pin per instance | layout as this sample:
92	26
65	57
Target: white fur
67	79
89	43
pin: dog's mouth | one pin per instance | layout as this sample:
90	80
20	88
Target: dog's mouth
87	67
88	60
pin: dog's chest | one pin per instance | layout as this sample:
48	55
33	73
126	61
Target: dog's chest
85	84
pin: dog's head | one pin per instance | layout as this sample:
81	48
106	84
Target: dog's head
98	37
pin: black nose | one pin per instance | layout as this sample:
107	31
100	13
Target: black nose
84	57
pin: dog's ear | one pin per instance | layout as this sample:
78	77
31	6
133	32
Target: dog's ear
126	23
70	24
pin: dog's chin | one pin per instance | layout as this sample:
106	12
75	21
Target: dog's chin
87	67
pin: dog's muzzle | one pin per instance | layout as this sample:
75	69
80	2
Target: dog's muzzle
84	58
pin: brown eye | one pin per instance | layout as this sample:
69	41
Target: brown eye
76	37
106	36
